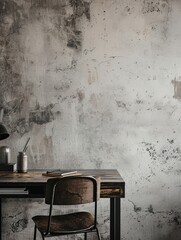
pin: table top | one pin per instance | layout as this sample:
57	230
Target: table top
111	180
107	175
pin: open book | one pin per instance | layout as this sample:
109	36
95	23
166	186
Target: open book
61	173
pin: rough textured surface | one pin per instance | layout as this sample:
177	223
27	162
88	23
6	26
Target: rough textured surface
97	84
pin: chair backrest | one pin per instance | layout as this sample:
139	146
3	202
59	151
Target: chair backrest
72	190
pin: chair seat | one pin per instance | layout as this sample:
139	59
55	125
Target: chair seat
62	224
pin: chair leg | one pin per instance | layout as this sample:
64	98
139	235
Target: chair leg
43	237
98	234
85	236
34	233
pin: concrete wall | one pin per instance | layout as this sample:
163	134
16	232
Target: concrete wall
96	84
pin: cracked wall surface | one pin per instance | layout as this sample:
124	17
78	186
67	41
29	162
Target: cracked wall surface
96	84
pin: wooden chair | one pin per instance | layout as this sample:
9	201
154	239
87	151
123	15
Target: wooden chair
72	190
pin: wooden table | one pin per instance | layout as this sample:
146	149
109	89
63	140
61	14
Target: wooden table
112	187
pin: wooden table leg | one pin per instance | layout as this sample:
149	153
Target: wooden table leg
115	218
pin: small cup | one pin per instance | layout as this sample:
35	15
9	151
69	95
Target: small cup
22	163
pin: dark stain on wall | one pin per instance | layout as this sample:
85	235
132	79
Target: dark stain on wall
42	115
81	95
11	91
151	150
150	209
177	220
170	153
15	93
11	20
19	225
121	104
167	157
21	126
150	6
9	10
177	88
75	40
136	208
63	21
80	8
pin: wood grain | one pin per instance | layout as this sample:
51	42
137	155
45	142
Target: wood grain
112	184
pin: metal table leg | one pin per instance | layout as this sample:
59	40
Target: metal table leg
115	218
0	218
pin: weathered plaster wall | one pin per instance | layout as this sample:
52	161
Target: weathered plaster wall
96	84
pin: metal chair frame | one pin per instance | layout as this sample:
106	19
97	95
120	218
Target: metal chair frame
85	231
